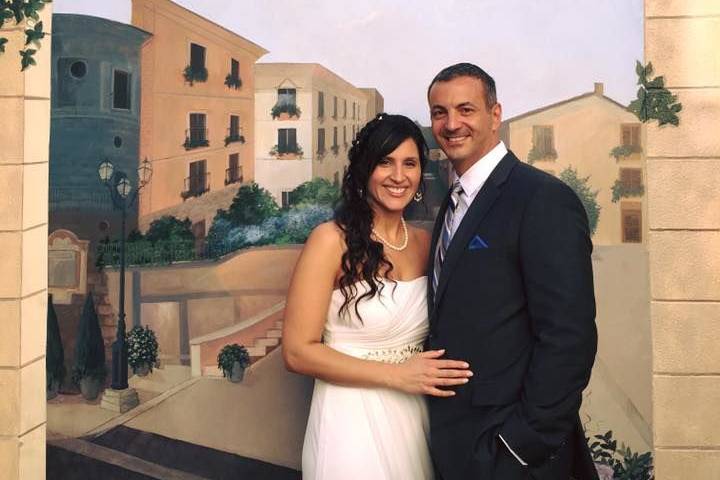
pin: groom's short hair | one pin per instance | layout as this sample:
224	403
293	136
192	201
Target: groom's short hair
468	70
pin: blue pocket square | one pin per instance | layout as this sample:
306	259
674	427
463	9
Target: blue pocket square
477	243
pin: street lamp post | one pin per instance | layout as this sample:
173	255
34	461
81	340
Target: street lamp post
123	197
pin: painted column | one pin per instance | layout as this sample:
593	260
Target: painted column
24	144
683	167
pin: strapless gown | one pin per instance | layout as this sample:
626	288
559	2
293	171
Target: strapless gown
371	433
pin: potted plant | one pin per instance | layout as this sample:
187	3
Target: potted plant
89	369
54	354
233	360
142	350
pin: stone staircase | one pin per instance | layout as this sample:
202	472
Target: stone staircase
259	349
97	285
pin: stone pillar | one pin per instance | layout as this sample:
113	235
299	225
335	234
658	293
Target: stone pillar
683	167
24	144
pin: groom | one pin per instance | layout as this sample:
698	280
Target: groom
511	293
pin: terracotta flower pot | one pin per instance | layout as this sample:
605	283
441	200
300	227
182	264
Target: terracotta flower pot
142	370
90	387
237	373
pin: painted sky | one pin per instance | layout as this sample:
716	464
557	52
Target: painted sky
539	51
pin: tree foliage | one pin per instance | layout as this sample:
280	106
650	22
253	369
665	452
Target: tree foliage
626	464
89	346
252	205
654	101
584	193
318	191
27	11
54	354
169	228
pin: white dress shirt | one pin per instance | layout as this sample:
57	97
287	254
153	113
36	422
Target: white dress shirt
472	181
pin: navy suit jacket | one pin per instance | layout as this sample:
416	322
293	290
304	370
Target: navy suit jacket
515	299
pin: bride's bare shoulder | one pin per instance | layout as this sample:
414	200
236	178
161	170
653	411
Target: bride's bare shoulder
326	236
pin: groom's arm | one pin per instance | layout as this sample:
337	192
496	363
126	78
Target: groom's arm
555	255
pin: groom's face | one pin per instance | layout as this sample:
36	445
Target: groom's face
462	123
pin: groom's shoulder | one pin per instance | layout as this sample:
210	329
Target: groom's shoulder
534	182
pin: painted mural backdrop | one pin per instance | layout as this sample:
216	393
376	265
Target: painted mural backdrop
185	175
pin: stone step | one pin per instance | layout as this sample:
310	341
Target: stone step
279	324
104	309
259	351
274	333
267	342
108	331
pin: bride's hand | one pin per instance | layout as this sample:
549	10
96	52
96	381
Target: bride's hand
425	372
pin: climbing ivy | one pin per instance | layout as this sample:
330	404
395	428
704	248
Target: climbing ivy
654	101
19	11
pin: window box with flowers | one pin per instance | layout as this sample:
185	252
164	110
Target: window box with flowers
621	189
624	151
142	350
233	81
233	360
535	154
291	153
234	137
194	74
285	111
335	149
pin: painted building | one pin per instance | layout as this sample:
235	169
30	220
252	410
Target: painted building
375	102
598	137
95	82
306	116
197	113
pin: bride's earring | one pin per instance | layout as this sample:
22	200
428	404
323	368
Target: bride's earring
418	196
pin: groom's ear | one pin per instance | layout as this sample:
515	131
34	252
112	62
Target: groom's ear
496	112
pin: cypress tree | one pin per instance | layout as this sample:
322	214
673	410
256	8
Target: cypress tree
54	355
89	347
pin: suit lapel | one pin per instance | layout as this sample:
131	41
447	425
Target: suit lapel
476	212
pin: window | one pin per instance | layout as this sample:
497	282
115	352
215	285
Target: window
631	223
197	56
198	132
631	135
543	140
354	133
285	198
234	126
234	171
121	90
321	104
234	68
335	137
286	96
353	111
344	107
321	140
631	178
334	107
196	183
287	140
344	134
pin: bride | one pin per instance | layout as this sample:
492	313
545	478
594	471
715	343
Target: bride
356	319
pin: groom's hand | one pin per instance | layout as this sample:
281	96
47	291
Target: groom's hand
425	372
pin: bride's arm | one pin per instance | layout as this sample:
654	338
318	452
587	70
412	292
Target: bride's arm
305	315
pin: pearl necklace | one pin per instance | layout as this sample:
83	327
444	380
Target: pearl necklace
390	245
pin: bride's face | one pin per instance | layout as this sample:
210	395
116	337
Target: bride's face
396	178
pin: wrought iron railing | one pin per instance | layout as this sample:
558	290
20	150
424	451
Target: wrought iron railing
196	137
233	175
234	135
196	186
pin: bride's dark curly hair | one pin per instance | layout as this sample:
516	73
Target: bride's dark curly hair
365	258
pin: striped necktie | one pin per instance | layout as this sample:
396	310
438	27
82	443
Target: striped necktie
446	234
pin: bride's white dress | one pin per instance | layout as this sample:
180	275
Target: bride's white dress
371	433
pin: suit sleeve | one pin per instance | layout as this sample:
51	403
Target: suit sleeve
555	255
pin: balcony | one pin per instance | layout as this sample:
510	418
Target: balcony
196	186
290	152
285	111
233	81
196	137
234	135
233	175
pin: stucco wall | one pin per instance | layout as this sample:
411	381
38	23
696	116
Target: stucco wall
683	165
24	140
